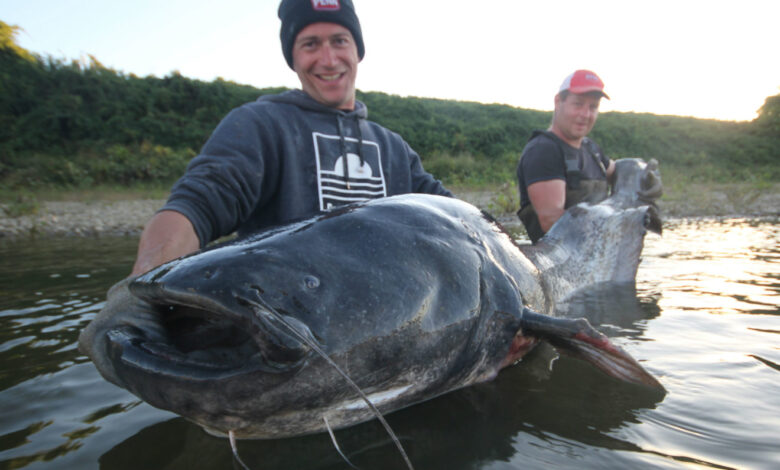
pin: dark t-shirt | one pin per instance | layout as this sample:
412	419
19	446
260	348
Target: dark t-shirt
542	161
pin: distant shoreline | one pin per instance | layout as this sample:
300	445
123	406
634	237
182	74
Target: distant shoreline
127	217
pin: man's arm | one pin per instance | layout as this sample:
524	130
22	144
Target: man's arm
167	236
611	171
548	199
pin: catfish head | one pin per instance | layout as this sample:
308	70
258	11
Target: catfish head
399	292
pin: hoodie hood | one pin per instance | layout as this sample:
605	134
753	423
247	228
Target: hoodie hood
304	101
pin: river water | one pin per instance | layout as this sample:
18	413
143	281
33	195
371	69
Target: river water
704	318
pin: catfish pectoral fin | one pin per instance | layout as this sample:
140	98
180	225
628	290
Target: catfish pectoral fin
579	339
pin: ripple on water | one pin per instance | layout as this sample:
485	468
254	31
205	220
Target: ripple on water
704	319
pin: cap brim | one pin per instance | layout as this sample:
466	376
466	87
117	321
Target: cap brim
585	90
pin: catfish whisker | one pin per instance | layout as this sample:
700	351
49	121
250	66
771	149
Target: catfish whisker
234	448
259	304
336	444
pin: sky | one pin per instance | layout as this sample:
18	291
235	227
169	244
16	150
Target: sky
709	59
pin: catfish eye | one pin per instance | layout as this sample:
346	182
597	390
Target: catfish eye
311	282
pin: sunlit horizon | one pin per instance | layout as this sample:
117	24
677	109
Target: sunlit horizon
707	60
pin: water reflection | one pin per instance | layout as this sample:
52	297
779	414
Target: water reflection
616	309
455	431
47	297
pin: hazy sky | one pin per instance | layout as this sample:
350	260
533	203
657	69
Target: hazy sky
705	58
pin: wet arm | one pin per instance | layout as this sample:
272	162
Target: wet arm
548	198
167	236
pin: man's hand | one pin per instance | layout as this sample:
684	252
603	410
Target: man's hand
167	236
651	187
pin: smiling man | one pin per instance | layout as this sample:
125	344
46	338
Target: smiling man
325	59
561	167
291	155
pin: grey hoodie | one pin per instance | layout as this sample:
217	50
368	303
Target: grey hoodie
279	159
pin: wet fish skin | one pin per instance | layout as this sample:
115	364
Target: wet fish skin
413	296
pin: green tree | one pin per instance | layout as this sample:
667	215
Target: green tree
768	120
8	43
19	74
81	123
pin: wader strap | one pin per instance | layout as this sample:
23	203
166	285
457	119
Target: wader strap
594	152
573	173
531	223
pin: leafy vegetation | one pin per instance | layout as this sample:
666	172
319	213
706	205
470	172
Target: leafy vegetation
79	124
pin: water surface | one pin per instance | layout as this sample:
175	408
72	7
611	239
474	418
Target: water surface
704	318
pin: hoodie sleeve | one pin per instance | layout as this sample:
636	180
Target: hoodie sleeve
422	181
222	185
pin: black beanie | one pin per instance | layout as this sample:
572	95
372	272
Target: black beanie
297	14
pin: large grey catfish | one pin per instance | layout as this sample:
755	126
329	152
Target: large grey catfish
410	296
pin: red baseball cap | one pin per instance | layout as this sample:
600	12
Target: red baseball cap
583	81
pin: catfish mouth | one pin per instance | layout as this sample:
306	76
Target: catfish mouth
188	335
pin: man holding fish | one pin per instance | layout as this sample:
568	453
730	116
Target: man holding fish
561	167
288	156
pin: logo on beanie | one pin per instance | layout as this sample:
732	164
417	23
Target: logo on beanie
325	5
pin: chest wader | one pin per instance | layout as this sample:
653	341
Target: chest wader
577	190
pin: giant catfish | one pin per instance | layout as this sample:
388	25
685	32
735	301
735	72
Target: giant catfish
410	296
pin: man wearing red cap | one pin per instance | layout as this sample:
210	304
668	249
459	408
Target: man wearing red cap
561	167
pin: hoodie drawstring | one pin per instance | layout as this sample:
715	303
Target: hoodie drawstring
360	141
343	142
344	159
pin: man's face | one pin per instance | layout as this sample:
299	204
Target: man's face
575	115
325	58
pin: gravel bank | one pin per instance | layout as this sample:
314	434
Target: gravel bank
122	218
80	219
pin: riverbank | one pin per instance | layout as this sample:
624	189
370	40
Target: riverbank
95	218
